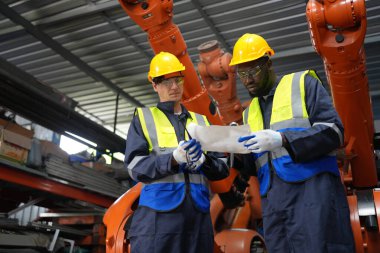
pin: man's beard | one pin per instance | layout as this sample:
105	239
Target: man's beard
260	92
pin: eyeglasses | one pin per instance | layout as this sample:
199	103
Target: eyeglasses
178	80
251	72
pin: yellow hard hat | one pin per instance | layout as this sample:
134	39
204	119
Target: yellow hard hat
250	47
164	63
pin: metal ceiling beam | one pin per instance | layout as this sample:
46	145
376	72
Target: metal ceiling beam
103	123
26	96
85	10
29	104
78	13
123	34
293	52
66	54
27	81
63	17
310	49
211	25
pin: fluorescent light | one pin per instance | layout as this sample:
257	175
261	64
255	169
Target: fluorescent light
93	144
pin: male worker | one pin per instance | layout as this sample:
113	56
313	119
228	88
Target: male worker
173	212
295	130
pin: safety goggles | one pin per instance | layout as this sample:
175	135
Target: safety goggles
178	80
253	71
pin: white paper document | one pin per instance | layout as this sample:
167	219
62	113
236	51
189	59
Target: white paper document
220	138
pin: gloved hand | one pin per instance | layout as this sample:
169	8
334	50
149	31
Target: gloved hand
261	141
194	151
196	166
195	156
187	152
179	154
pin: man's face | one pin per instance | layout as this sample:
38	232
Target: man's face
170	89
255	76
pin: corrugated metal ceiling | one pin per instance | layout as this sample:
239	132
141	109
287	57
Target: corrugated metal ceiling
90	50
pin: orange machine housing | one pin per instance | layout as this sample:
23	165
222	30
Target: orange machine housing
220	80
155	17
337	29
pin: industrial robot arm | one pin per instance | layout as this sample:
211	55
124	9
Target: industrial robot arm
220	80
337	30
155	17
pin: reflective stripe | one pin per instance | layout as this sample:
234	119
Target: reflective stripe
302	123
296	96
161	135
288	112
133	163
151	127
175	178
245	115
198	179
333	126
200	119
180	178
262	160
279	153
152	131
163	151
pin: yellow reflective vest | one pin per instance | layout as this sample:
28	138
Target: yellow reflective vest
288	113
168	193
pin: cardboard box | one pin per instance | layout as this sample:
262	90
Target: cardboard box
14	146
16	128
48	147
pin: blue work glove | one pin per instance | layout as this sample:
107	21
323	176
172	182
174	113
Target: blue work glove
180	153
195	156
188	152
262	141
196	166
194	151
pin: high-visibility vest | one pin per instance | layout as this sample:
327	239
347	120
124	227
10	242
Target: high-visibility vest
167	193
288	113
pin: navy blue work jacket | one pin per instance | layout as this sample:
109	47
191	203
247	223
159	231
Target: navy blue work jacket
155	167
315	141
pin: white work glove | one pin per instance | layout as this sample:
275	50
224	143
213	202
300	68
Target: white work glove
179	154
189	152
194	151
262	141
196	166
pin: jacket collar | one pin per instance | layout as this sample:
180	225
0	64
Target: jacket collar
168	107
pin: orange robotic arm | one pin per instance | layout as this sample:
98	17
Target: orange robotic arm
155	17
220	81
337	30
115	219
